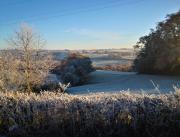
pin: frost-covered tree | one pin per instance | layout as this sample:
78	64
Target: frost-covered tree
24	66
75	69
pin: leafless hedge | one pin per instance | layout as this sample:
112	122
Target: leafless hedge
121	114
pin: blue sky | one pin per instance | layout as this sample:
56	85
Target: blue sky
85	24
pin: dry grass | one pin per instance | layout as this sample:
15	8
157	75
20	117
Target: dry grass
122	114
116	67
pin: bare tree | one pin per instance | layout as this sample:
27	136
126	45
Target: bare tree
32	64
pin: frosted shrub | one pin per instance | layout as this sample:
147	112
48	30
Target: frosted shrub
74	69
121	114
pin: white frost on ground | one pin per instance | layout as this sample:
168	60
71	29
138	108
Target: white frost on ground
111	81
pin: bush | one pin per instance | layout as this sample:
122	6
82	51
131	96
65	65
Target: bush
74	69
160	49
121	114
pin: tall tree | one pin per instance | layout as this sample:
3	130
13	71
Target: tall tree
160	50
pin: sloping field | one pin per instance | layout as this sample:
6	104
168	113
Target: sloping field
110	81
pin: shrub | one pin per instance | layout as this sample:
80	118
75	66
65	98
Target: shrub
74	69
121	114
160	49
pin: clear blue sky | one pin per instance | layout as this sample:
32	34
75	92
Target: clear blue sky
85	24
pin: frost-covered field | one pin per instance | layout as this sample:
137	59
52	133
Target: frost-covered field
111	57
101	57
111	81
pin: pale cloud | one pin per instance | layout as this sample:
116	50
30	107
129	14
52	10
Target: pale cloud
104	35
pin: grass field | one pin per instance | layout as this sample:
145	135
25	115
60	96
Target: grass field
112	81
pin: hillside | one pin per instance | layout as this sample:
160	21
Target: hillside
111	81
